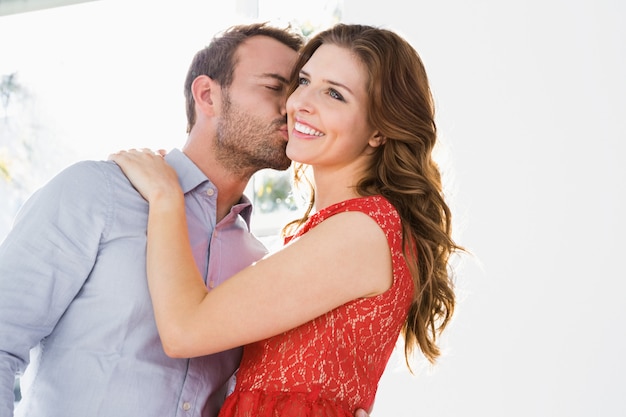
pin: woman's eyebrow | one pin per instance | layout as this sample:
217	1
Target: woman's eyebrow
335	83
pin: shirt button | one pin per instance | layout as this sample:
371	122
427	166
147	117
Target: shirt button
210	192
186	406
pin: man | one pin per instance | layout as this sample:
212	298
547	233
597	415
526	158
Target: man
74	303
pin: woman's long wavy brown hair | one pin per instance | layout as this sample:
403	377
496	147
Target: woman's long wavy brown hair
401	108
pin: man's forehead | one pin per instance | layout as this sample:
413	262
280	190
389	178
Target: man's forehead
265	57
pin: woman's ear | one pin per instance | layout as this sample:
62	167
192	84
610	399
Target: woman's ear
377	139
206	94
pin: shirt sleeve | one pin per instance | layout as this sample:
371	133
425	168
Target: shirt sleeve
44	261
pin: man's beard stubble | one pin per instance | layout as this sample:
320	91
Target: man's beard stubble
245	144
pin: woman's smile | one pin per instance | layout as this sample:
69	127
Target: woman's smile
304	129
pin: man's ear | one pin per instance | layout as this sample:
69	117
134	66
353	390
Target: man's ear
377	139
206	93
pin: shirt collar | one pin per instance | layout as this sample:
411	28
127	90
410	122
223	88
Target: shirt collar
190	177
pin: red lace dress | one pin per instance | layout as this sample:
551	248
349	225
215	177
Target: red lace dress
329	366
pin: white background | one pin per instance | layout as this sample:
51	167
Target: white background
532	107
531	101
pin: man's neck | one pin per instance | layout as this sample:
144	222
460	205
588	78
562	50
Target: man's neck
229	192
230	186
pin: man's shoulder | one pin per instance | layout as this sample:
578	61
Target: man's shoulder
84	179
91	167
88	171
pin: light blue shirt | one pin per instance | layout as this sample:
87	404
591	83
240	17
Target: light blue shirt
74	301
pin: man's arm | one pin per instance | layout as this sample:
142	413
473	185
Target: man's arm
44	261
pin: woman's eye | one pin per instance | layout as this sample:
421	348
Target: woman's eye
335	94
302	81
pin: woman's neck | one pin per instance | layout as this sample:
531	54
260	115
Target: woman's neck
333	188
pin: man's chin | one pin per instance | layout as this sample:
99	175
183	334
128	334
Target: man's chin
283	166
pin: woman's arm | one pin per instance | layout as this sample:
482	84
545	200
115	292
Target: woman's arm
344	258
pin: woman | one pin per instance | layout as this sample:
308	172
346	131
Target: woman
319	318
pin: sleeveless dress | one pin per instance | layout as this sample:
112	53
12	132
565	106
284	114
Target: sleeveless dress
330	366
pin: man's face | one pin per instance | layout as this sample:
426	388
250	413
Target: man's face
252	129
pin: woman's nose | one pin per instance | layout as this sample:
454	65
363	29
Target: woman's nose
301	100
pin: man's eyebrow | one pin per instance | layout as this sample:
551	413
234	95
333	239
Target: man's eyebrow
275	76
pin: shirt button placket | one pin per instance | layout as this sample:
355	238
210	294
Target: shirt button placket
186	406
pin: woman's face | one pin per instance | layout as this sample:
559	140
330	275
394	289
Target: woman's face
327	113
